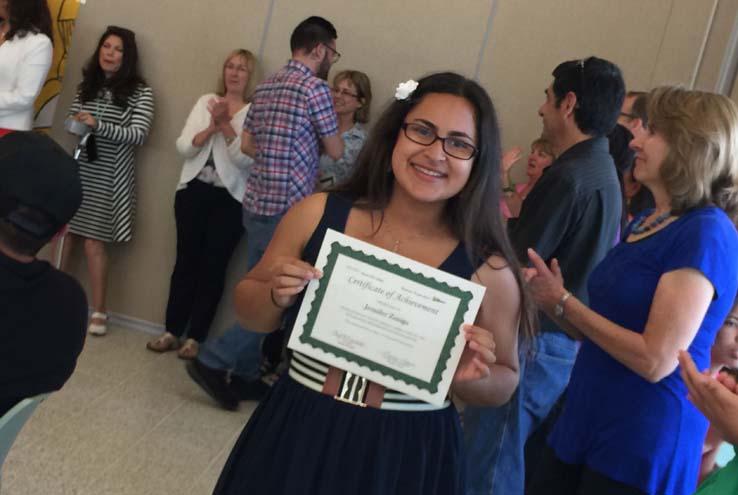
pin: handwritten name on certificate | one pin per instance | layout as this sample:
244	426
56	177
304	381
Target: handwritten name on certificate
385	317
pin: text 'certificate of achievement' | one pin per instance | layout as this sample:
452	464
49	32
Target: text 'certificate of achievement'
385	317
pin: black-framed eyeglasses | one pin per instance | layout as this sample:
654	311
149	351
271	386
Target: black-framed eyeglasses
336	55
343	92
630	116
452	145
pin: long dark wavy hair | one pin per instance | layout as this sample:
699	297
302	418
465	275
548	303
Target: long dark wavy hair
29	16
473	215
123	83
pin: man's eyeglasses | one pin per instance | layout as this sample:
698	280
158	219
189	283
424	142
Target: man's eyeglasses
335	56
343	92
453	146
630	116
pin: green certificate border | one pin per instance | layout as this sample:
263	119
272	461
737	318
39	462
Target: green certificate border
307	338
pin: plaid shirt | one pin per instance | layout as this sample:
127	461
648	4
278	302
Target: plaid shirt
290	111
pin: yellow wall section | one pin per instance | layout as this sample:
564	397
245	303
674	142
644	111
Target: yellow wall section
63	15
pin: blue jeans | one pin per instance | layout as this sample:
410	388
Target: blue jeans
495	436
239	349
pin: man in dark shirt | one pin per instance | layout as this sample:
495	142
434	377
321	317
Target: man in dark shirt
572	214
43	312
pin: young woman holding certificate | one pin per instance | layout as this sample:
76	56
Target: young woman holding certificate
427	187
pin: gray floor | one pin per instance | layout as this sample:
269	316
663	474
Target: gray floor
129	421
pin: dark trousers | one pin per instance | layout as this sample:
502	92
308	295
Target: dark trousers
208	230
555	477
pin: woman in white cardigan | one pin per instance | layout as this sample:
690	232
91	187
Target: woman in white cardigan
25	58
207	206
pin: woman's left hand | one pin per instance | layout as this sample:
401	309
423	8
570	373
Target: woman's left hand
546	284
86	119
510	157
219	112
478	356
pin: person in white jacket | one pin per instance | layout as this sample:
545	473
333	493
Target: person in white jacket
25	58
207	206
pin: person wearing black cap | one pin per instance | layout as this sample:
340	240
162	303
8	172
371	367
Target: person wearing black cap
44	311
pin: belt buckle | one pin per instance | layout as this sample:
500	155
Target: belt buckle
352	389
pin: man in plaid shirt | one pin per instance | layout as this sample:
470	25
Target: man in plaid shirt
291	115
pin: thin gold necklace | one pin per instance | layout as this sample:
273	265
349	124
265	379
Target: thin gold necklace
397	241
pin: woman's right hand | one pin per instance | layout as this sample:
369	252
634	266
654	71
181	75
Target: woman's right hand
717	398
290	276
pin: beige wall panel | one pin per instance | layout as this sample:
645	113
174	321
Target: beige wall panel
681	48
530	37
182	46
182	43
717	44
734	93
391	41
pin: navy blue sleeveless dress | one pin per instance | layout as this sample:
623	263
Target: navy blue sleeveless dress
300	441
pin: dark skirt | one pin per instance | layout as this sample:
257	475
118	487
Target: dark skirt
302	441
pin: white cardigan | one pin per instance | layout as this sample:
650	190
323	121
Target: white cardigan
24	63
232	165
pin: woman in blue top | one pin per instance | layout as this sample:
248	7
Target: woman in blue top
627	426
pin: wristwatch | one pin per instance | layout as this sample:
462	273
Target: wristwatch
559	308
509	188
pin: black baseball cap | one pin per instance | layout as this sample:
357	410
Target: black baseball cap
38	174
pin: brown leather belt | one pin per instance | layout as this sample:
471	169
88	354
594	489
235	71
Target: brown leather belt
353	389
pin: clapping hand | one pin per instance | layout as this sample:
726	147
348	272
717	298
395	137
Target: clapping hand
546	284
478	356
218	109
717	398
510	157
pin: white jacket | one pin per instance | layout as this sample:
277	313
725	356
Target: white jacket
232	165
24	63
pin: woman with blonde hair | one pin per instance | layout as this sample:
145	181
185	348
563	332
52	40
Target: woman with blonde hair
540	157
352	96
207	205
627	426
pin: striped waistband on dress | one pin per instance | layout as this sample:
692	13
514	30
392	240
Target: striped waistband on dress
311	373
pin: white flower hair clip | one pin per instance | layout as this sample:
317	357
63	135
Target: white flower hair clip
405	89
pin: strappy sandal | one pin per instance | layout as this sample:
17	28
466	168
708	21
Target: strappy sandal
98	329
163	343
189	350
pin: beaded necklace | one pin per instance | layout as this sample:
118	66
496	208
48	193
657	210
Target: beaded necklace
639	228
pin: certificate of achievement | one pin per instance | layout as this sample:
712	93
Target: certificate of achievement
385	317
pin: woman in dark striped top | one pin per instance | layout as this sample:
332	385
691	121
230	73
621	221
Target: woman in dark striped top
115	102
